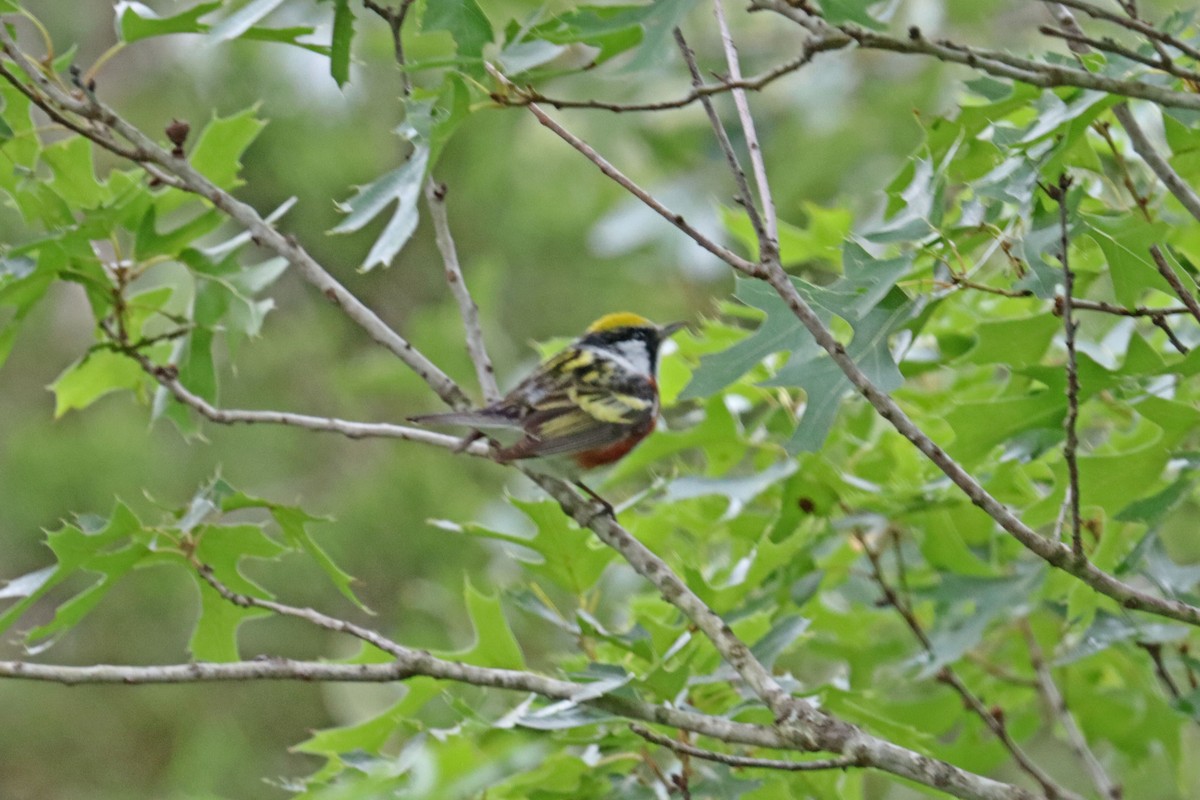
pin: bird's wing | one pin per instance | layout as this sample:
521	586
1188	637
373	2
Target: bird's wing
593	408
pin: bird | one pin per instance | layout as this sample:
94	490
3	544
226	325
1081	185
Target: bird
586	406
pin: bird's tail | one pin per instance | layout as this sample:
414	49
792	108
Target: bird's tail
477	418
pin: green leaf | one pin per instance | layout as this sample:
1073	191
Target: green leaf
92	377
343	34
738	490
659	20
293	522
243	19
1126	242
837	12
519	57
612	30
108	547
372	734
136	21
1018	342
223	547
558	550
150	243
825	384
402	186
219	147
495	645
980	426
968	606
465	21
70	160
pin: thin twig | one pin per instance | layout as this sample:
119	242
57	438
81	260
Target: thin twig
1164	269
1154	650
394	17
1160	322
1079	304
990	666
1141	201
947	675
1142	145
723	253
435	197
993	62
745	761
744	197
1070	327
1058	707
1108	45
766	201
757	83
1137	25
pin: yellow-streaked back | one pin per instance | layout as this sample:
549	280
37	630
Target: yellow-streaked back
621	319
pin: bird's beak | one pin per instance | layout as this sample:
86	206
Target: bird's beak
666	330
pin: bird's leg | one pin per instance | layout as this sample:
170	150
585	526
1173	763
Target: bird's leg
468	440
606	507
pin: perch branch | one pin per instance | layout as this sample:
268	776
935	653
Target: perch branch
169	379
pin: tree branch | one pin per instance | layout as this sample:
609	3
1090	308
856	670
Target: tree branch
723	253
992	720
1071	445
168	377
1147	30
748	129
993	62
744	761
1141	143
1058	707
435	198
807	50
1164	269
766	242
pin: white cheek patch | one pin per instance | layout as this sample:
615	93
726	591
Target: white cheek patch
635	353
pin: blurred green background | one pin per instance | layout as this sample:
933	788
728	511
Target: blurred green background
547	245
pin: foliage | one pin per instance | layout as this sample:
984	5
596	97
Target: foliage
778	494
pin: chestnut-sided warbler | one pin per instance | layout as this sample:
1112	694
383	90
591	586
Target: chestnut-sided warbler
587	405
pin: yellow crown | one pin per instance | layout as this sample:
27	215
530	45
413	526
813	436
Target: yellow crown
622	319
